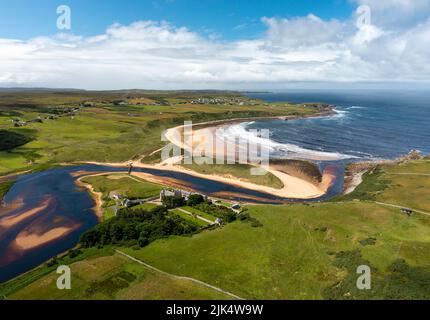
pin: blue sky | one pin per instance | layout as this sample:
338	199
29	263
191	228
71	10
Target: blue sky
215	44
230	19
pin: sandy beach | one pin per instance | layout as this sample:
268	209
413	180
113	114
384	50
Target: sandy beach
294	188
97	196
7	222
202	137
26	240
206	140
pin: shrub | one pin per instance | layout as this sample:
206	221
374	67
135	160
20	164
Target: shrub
246	217
52	262
74	253
173	202
368	242
195	199
10	140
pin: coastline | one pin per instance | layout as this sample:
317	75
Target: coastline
329	112
97	196
308	190
203	133
355	171
288	180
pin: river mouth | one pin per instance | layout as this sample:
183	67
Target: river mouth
46	212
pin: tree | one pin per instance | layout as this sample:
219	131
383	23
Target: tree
137	226
143	241
195	199
173	202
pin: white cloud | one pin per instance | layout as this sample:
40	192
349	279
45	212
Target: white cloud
397	14
150	54
306	31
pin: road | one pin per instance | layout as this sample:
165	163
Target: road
401	207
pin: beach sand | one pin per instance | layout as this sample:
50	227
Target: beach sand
7	222
26	240
206	139
97	196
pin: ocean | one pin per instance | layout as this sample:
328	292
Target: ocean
368	125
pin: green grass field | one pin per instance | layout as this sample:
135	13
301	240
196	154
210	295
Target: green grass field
124	185
145	206
23	281
405	184
293	255
199	213
224	203
409	185
199	222
132	188
116	277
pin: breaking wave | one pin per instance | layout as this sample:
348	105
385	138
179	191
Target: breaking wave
276	149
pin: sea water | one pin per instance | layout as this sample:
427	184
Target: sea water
368	124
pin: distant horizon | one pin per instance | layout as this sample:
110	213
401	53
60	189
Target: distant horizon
420	87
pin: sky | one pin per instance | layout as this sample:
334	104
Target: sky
215	44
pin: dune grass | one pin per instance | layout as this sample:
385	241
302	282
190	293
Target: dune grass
238	172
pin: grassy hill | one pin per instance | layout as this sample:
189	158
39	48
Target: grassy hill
116	277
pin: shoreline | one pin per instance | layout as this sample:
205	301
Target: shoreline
302	189
216	123
97	196
354	173
312	192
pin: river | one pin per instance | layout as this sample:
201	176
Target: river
50	203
